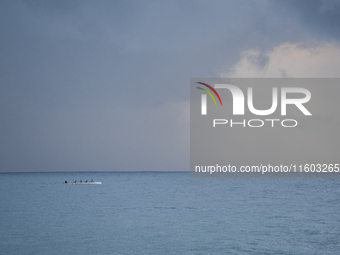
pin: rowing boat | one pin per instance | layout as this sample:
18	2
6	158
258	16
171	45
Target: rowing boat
83	183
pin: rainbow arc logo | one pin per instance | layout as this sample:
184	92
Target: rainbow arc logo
212	89
204	97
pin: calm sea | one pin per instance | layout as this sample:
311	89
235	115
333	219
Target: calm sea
167	213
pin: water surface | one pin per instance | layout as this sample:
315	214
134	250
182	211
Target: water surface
167	213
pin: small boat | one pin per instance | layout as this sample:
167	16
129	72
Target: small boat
84	183
81	182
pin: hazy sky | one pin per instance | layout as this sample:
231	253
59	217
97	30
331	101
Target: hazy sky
104	85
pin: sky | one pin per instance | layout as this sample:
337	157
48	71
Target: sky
104	85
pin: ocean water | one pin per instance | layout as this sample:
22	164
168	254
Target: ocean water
167	213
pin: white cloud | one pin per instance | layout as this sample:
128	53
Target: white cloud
290	60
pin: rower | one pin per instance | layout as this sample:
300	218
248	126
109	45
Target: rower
65	181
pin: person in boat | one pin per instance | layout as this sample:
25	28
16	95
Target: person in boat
65	181
86	181
92	180
75	181
81	180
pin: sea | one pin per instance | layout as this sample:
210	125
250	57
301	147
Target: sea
167	213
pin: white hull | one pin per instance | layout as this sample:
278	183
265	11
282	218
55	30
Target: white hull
83	183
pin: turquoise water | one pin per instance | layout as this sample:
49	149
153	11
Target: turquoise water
167	213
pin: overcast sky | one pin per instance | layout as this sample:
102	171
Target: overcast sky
104	85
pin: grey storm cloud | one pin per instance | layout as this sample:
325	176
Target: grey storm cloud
321	17
104	85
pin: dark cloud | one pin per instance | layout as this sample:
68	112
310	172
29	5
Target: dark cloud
103	85
321	17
